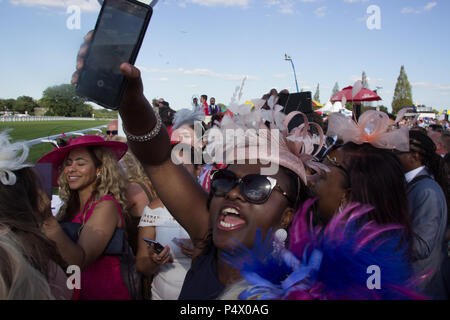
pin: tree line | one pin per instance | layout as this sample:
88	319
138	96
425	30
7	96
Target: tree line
402	94
60	100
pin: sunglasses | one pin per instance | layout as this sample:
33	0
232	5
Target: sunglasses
255	188
113	132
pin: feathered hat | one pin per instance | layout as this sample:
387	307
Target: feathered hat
12	158
57	155
181	131
338	262
258	130
372	127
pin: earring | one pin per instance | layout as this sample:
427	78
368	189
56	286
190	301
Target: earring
99	176
342	205
279	239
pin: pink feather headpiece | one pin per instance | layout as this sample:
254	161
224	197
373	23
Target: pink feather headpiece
372	127
255	127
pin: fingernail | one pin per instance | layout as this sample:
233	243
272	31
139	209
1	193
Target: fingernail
167	246
127	68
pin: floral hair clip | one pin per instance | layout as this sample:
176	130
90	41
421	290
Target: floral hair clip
12	158
372	127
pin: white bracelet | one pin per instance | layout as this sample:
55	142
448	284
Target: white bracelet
147	137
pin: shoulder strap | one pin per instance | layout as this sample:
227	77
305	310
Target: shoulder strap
149	194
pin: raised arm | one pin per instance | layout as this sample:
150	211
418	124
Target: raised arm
179	192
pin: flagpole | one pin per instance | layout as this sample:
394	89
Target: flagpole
288	58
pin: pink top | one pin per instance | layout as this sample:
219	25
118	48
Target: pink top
102	279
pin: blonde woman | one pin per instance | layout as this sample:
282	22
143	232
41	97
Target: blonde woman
23	208
140	191
92	188
18	279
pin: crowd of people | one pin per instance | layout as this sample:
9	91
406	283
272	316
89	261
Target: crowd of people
178	210
372	191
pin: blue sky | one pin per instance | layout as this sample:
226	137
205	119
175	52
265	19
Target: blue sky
207	46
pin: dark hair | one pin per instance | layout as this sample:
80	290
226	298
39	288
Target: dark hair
204	96
376	178
215	117
445	140
391	116
167	114
20	210
421	143
436	127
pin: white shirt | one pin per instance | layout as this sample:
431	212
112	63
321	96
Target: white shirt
410	175
167	283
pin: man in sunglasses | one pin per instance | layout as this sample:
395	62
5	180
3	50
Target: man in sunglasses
112	129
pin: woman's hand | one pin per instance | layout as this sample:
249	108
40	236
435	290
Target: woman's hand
44	205
81	55
187	248
162	258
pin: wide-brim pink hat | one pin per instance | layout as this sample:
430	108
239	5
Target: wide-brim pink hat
57	155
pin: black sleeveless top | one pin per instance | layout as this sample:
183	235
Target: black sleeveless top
202	280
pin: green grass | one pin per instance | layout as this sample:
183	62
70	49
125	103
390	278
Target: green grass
37	129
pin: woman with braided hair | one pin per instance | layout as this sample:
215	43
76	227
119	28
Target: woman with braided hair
426	188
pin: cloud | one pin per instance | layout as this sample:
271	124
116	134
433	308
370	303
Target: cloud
373	82
225	3
431	85
199	72
280	75
321	12
284	6
409	10
85	5
430	5
355	1
162	79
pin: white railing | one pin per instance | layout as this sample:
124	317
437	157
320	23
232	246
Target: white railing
32	118
52	139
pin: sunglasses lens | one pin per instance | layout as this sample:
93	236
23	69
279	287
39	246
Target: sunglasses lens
256	188
223	182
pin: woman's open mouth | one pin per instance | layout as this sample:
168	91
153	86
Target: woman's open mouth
230	219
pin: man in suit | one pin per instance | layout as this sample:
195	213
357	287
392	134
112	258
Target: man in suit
426	187
213	108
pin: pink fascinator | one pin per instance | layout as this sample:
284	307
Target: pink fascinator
251	129
372	127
